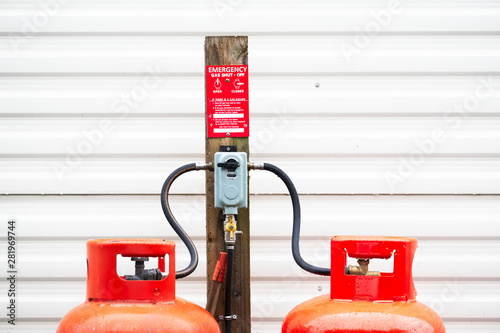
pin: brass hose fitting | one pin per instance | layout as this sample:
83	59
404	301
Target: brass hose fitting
362	269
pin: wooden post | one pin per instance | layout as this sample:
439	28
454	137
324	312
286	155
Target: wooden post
228	51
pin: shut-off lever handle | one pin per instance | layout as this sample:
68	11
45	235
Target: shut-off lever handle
230	164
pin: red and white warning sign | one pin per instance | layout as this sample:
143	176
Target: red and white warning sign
227	101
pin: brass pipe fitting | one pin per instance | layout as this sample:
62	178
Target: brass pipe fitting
362	269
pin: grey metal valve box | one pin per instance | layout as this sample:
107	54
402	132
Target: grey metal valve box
231	181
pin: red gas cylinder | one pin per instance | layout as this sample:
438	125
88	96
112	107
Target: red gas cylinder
371	301
126	304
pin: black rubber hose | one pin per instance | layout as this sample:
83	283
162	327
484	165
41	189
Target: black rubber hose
229	273
175	225
296	222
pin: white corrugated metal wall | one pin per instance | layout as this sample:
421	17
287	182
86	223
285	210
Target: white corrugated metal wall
100	101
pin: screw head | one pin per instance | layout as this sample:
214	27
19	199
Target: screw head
228	134
317	85
227	80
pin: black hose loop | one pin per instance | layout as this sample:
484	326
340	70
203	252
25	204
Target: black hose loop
296	222
175	225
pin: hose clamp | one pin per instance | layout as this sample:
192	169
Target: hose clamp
256	166
203	166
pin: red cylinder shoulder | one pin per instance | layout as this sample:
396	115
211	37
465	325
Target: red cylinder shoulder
321	315
137	317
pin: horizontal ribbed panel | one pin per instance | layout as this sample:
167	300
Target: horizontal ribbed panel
168	55
236	17
271	96
272	301
338	175
429	218
333	136
36	256
426	217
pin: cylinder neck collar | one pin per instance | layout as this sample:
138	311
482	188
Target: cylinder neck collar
395	286
104	283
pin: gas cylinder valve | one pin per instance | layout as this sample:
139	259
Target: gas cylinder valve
144	274
362	269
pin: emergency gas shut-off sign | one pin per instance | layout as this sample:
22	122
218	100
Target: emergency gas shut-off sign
227	101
